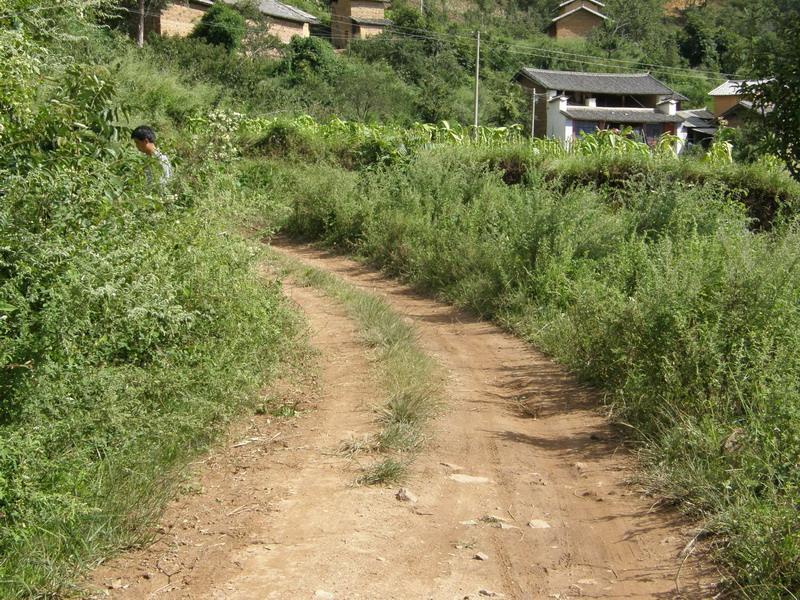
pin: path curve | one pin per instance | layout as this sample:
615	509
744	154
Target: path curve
518	441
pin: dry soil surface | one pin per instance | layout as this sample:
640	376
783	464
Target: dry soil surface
522	490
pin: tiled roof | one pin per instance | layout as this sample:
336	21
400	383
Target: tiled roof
377	22
572	12
620	115
642	84
563	4
272	8
747	105
279	10
698	119
732	87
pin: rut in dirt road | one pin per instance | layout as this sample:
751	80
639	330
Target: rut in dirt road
521	489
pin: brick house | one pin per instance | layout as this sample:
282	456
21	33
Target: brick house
179	18
577	19
357	19
285	21
731	104
568	103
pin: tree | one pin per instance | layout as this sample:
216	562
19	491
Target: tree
221	25
308	58
141	9
372	92
777	96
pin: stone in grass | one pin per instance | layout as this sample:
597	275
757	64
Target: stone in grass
481	556
405	496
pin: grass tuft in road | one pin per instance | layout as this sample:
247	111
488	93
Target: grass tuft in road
389	471
408	373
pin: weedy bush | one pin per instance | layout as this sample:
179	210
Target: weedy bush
655	288
130	327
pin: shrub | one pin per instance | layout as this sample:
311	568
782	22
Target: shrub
221	25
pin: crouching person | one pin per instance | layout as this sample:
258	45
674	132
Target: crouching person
145	139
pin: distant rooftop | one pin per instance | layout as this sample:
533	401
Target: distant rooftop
563	4
279	10
573	11
619	115
373	22
732	87
632	84
698	118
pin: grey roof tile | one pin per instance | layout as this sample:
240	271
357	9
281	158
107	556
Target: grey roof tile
379	22
620	115
580	8
632	84
279	10
699	118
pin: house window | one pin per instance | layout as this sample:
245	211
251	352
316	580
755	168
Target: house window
586	127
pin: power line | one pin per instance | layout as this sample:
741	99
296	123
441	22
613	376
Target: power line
523	49
517	49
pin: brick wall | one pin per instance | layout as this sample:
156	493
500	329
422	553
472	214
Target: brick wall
723	103
367	10
367	31
340	23
286	30
179	19
578	25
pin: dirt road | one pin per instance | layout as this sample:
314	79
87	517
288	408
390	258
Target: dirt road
521	470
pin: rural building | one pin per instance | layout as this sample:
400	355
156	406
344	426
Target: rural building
357	20
731	104
568	103
285	21
577	19
179	18
700	125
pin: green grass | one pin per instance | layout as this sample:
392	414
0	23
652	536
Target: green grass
389	471
408	374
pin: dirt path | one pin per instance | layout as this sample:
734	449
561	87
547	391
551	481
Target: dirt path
518	440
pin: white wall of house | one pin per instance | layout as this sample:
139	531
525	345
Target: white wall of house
683	133
558	126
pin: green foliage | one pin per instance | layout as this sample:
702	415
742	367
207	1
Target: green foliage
221	25
310	58
130	329
778	95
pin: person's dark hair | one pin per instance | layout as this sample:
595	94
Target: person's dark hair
144	133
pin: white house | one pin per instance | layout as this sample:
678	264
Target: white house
569	102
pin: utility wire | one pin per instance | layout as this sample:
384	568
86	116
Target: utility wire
515	49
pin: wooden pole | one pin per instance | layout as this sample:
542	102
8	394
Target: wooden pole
533	112
477	82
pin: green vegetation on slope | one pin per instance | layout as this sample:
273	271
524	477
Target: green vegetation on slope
131	326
